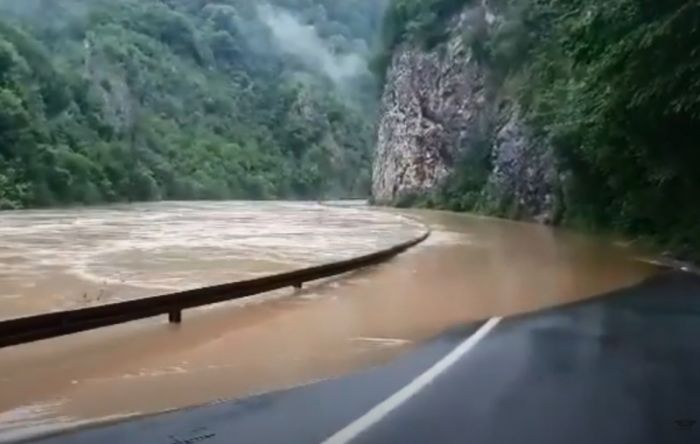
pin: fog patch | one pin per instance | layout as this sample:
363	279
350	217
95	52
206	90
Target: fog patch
303	42
57	11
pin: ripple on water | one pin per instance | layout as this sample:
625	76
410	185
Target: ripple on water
125	251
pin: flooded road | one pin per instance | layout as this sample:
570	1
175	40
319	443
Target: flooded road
470	268
61	259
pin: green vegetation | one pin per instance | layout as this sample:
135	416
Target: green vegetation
614	85
104	101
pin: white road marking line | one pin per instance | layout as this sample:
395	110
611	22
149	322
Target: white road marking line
395	401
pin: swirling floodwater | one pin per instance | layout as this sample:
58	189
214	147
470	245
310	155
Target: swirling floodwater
60	259
470	268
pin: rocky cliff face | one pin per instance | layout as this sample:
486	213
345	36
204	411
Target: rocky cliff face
523	182
433	107
437	106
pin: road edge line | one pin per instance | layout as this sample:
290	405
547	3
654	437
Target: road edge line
381	410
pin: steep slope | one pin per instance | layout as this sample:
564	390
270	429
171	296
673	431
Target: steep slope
585	113
448	131
104	101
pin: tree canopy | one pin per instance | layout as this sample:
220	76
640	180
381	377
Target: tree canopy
104	101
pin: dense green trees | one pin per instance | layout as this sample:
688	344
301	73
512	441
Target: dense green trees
616	85
105	101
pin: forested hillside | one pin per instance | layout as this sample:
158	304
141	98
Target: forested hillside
122	100
613	87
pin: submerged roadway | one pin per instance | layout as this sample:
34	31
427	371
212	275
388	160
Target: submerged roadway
623	368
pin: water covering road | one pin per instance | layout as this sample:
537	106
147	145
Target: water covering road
471	268
59	259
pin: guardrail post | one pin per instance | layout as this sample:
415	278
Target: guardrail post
52	325
175	317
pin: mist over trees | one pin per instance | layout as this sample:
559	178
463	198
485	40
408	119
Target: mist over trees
106	101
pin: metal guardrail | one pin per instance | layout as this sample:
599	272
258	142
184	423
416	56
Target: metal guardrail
53	325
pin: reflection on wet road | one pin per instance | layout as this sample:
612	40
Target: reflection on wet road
471	268
616	369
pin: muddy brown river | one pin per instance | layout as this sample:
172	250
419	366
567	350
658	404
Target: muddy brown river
470	268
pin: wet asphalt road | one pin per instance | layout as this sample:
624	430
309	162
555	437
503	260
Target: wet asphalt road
621	369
